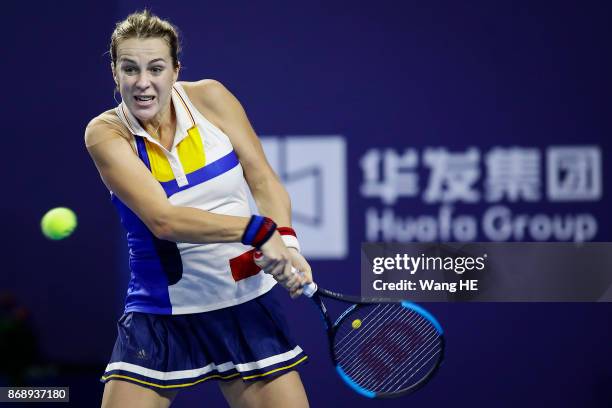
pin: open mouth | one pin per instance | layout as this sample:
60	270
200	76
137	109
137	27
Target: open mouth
144	99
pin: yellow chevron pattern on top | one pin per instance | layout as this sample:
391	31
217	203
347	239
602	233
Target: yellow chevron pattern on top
191	151
160	166
191	154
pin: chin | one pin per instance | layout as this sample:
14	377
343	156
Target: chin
144	114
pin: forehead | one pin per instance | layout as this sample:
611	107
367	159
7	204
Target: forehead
146	48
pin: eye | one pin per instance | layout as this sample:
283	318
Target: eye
129	70
157	70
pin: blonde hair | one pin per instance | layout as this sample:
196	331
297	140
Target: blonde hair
144	24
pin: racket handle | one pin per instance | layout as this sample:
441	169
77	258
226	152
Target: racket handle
310	288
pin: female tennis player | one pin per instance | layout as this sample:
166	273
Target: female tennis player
177	158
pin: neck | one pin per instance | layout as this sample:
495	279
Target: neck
164	119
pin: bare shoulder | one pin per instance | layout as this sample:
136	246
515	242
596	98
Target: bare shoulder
207	91
105	126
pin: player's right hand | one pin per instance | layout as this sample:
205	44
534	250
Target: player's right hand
274	258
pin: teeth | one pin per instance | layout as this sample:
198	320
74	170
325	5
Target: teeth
144	98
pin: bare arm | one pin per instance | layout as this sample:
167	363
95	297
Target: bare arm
127	176
270	196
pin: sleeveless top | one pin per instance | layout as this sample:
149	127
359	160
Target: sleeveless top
201	171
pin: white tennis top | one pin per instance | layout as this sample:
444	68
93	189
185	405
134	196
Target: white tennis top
201	171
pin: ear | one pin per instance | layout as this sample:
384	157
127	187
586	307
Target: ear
176	71
114	74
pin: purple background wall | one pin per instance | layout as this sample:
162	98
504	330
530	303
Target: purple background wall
384	74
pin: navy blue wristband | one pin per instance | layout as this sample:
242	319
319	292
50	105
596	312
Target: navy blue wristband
258	231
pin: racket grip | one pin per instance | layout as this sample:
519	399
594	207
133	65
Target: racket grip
310	288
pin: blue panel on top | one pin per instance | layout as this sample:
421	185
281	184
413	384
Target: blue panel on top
155	264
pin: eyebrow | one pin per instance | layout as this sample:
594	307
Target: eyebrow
126	59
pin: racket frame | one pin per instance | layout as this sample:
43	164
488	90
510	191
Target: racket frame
316	294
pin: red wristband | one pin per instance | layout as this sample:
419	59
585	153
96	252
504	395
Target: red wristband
289	237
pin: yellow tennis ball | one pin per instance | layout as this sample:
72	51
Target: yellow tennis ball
58	223
356	324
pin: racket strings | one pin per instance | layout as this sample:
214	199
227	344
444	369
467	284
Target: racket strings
369	326
402	373
399	376
354	353
390	367
349	332
401	381
393	346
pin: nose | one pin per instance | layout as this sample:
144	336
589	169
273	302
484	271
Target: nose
143	81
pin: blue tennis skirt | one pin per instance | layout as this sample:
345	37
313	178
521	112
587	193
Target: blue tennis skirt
249	341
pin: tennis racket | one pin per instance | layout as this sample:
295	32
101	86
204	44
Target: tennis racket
381	349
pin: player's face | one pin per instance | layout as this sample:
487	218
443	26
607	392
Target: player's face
145	74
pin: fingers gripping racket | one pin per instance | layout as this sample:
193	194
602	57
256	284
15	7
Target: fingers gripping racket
381	349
